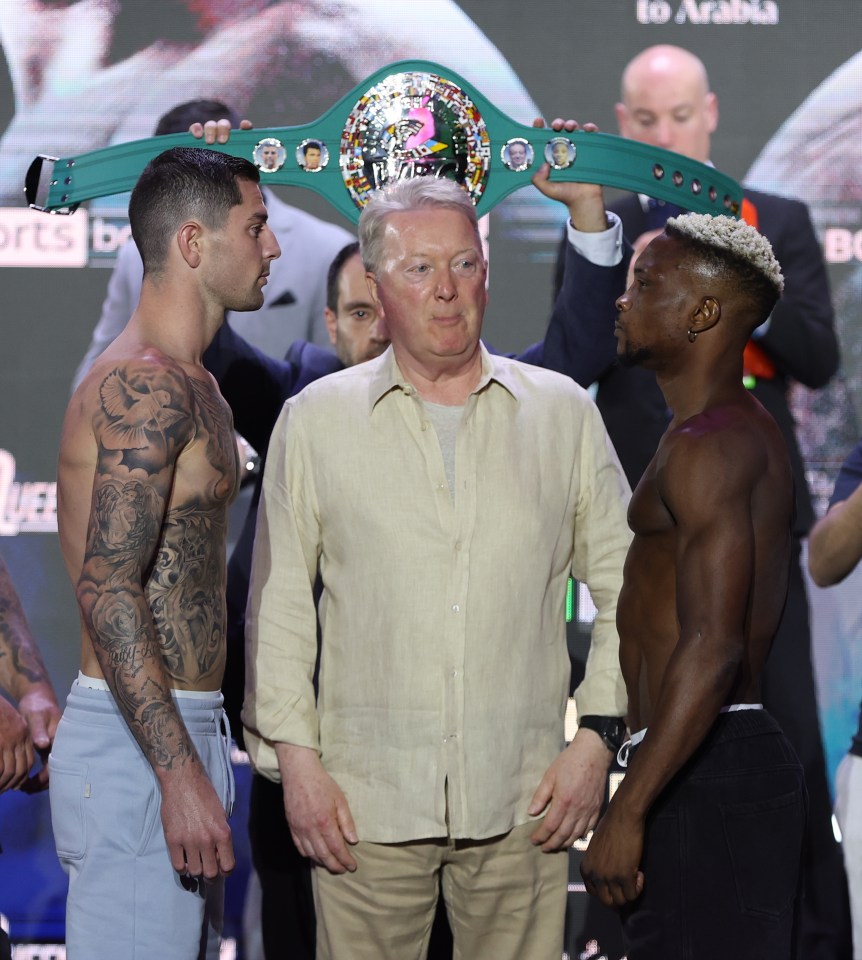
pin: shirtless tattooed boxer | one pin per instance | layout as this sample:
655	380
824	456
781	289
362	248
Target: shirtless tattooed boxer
148	466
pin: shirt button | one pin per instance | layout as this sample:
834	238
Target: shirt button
457	544
424	425
455	608
454	673
441	486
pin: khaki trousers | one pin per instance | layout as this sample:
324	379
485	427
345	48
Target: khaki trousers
505	900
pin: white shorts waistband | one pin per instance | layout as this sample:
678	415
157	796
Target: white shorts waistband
635	739
97	683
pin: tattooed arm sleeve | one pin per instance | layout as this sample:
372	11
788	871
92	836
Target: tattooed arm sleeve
23	676
144	421
21	664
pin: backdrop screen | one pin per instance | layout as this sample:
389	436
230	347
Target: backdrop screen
76	76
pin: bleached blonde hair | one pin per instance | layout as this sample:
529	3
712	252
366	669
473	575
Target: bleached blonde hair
740	241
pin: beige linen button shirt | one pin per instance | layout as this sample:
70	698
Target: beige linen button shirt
444	670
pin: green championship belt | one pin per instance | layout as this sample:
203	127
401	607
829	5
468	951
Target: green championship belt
413	118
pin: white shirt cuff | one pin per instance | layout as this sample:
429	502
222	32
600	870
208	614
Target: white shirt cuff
603	249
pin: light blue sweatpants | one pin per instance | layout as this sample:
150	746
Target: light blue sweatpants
125	899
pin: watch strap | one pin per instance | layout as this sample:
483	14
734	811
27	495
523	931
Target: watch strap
612	730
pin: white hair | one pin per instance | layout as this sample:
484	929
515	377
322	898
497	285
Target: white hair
733	237
405	196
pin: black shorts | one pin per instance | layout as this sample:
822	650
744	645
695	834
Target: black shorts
722	850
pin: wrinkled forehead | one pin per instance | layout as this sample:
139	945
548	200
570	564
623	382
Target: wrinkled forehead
430	229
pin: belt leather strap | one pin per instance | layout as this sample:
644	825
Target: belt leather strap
412	118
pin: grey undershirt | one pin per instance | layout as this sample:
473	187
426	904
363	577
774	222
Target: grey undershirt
446	421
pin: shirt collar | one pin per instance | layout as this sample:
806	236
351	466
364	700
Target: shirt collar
387	377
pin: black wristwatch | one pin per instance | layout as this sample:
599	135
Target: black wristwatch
612	730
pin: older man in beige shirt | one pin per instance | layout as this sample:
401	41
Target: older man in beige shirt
443	496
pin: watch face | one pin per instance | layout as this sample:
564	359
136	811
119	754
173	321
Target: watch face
612	730
616	733
414	124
